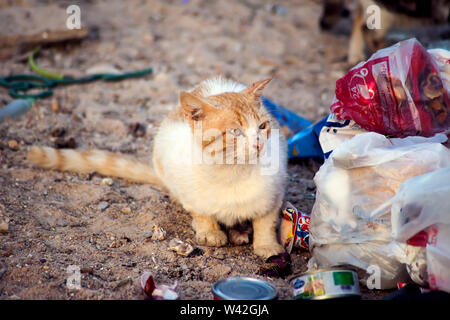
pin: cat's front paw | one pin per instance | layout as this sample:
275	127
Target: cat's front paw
214	238
266	251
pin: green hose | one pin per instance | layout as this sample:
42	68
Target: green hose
19	84
39	70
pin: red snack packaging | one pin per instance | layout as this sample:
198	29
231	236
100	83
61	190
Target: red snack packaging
398	92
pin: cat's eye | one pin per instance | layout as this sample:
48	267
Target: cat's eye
236	132
263	126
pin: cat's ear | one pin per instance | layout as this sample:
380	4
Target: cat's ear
256	89
194	107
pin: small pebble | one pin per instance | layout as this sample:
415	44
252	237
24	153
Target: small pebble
103	205
126	210
4	227
107	182
137	129
13	145
147	235
55	105
116	244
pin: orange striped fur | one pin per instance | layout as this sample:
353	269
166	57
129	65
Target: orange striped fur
103	162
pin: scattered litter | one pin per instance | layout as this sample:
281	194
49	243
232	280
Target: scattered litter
157	292
294	228
180	247
243	288
399	92
416	262
413	292
16	108
158	233
332	283
107	182
277	266
351	218
302	135
420	219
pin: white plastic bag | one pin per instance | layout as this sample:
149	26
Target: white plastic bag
421	202
422	205
360	177
336	131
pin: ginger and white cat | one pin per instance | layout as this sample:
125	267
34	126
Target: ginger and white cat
208	154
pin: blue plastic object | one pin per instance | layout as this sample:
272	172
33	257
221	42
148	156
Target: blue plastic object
304	144
16	108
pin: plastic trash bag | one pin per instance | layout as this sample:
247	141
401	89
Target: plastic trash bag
361	175
420	216
399	92
335	131
301	134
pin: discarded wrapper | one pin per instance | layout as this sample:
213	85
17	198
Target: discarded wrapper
158	292
399	92
294	228
158	233
180	247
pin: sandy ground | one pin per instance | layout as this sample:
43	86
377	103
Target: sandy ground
56	219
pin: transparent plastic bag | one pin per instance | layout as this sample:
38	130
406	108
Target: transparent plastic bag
420	216
400	91
361	176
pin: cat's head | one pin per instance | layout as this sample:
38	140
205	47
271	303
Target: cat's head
234	126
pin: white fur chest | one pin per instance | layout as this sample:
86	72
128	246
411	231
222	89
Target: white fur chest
233	194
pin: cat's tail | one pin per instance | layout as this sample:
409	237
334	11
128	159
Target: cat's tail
102	162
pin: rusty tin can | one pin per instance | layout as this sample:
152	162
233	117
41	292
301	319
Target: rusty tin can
330	283
243	288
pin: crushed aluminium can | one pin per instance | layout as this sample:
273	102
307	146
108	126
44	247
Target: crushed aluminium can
330	283
294	229
243	288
